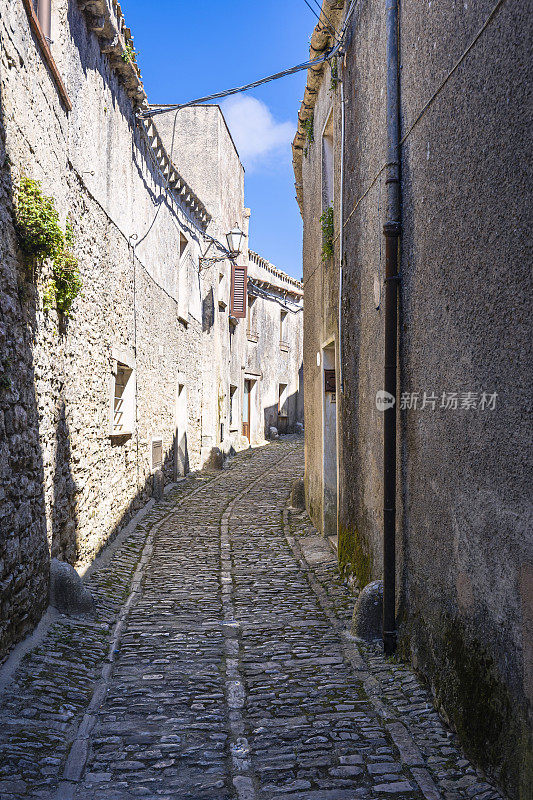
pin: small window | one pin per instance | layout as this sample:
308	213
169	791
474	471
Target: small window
327	164
283	327
157	453
250	321
233	415
282	400
329	380
123	401
183	281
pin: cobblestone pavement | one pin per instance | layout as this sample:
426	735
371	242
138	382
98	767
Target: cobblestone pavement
218	667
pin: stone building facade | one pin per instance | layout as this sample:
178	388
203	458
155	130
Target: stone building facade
135	381
262	353
464	564
269	352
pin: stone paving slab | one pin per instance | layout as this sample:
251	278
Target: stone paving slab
218	667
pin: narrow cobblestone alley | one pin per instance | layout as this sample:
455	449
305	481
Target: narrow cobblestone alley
218	666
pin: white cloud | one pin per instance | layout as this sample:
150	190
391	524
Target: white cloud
255	132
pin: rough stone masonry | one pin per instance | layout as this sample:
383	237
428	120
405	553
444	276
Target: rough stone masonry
146	378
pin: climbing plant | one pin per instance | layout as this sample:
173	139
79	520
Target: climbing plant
334	75
308	126
37	222
65	285
326	221
129	54
41	238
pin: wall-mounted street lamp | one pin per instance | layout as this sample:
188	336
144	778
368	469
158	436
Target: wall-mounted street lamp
234	239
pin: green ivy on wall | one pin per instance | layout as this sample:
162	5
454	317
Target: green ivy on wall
334	75
308	126
37	222
41	237
326	221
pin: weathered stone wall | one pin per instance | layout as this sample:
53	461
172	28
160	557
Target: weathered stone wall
234	358
466	310
24	556
263	353
65	482
465	551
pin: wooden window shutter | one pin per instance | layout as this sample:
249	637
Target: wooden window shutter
238	291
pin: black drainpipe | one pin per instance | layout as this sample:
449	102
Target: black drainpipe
391	230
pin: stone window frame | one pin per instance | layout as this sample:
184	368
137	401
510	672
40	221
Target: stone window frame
183	279
251	320
327	155
122	358
43	42
233	408
283	399
222	290
283	330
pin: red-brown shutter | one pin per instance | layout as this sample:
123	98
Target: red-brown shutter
238	291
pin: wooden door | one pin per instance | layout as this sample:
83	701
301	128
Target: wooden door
246	409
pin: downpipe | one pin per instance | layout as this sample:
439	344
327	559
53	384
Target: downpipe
341	238
391	231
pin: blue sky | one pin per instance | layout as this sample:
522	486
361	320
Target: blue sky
191	49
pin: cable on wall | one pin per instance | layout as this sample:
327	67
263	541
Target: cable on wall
424	108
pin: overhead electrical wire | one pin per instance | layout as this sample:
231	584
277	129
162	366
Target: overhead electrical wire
332	26
161	108
165	108
329	27
418	117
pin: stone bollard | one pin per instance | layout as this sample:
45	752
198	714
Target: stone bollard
67	591
273	432
368	612
299	428
216	459
298	494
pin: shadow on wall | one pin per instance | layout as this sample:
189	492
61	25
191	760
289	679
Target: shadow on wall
24	546
64	516
208	311
24	557
176	461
